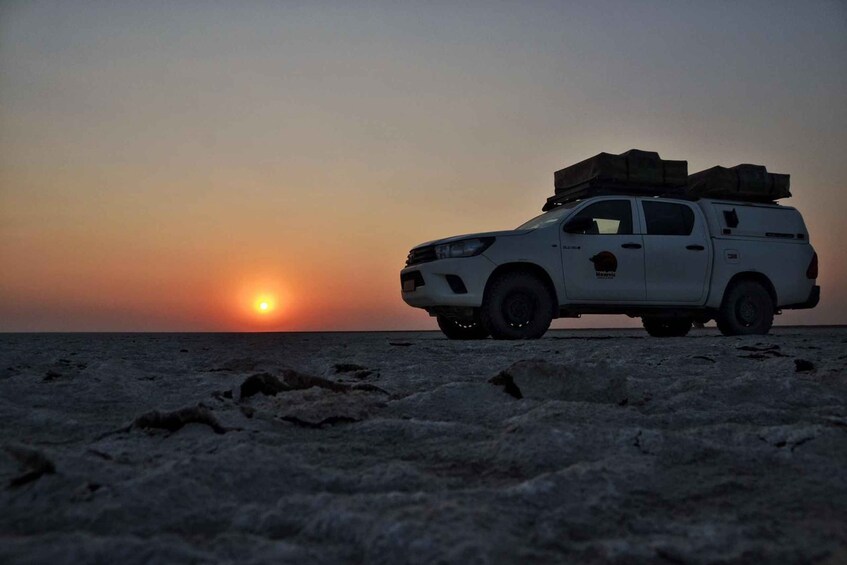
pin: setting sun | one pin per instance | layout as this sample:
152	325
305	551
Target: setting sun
264	304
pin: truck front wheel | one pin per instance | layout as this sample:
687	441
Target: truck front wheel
667	327
747	309
457	329
517	306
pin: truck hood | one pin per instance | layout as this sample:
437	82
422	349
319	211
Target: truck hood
503	233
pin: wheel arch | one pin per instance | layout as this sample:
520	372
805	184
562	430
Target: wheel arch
525	267
753	276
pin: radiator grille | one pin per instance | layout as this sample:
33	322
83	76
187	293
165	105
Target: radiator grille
421	255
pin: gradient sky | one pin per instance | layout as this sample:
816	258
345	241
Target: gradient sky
163	164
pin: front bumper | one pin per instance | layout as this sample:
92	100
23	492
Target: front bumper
440	282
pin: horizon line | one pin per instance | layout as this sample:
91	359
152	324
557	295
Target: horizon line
808	326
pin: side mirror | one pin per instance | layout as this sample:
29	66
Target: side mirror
579	225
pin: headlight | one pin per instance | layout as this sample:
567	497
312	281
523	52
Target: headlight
463	248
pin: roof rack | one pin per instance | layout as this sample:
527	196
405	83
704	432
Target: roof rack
593	188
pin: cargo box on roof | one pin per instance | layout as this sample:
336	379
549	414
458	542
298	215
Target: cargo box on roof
742	182
634	167
633	172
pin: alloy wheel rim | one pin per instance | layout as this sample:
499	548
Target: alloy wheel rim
518	309
748	312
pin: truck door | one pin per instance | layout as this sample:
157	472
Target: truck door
604	260
677	252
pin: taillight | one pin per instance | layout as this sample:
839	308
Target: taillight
812	271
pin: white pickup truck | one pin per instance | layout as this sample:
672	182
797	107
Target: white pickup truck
671	261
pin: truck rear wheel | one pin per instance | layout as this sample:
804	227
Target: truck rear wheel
457	329
517	306
747	309
666	327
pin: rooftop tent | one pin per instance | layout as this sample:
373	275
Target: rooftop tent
634	167
741	182
632	172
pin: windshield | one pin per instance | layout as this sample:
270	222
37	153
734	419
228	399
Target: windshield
550	217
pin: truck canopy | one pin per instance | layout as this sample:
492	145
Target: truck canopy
747	220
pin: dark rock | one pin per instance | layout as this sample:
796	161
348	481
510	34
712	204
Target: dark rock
505	380
329	421
836	421
173	421
85	491
34	464
362	374
223	396
543	381
637	443
269	385
51	376
367	387
758	347
764	352
264	383
347	367
801	365
237	365
295	380
100	454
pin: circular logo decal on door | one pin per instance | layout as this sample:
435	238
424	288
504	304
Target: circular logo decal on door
605	265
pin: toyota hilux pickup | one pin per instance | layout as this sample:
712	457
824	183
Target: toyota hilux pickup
670	261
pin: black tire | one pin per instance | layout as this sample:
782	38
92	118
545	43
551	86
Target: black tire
456	329
667	327
517	306
747	309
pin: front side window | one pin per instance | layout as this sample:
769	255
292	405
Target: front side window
666	218
609	217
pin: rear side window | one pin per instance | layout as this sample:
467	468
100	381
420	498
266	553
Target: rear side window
610	217
666	218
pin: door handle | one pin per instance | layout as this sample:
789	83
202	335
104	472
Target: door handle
695	247
631	246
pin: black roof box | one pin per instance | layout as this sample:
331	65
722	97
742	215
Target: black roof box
634	167
633	172
752	183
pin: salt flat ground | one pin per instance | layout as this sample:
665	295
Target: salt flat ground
621	448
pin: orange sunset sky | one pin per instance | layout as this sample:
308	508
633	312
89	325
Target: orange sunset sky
170	166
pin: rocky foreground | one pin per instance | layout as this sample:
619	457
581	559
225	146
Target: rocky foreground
593	447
